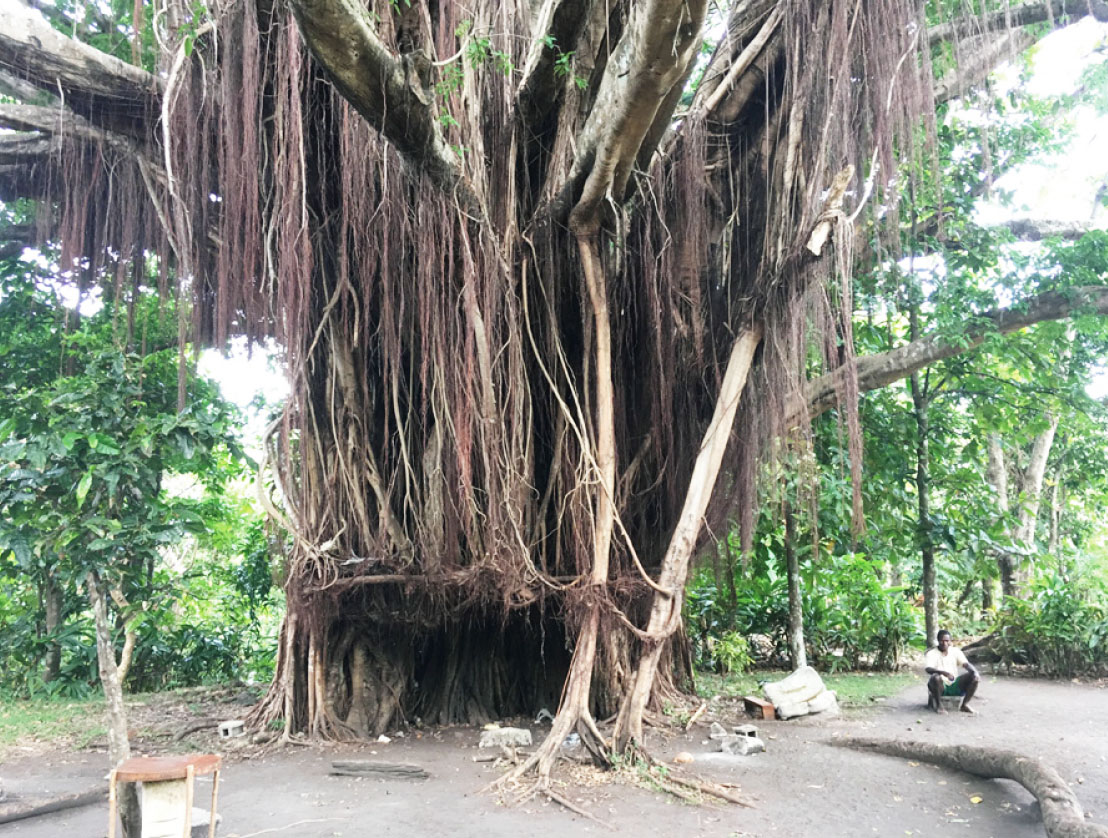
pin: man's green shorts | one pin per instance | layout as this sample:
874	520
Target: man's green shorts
953	688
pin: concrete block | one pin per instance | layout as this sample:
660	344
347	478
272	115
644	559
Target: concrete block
508	737
231	728
741	745
745	730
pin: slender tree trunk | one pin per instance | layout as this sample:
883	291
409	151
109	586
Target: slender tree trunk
920	404
52	600
997	477
1054	545
1031	492
119	747
798	657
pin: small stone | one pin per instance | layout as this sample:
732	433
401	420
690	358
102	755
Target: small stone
741	745
384	740
510	737
683	758
717	731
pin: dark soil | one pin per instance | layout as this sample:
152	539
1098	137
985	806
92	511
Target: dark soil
800	787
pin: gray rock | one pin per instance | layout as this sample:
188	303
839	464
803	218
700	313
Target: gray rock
718	731
201	818
741	745
508	737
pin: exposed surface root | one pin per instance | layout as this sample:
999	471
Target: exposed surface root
1063	816
562	801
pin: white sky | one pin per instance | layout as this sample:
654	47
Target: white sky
1062	187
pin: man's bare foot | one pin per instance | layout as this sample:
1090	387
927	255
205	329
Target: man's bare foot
967	709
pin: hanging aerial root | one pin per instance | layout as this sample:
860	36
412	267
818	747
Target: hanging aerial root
1063	816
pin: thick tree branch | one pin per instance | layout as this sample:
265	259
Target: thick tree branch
985	55
107	91
340	34
1037	229
561	21
60	123
881	369
653	55
26	149
14	87
1017	16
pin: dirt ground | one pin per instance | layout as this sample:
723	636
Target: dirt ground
799	787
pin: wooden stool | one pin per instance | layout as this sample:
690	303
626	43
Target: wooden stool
177	774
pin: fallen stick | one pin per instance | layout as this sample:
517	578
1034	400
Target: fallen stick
1063	816
373	768
713	789
20	808
699	712
557	798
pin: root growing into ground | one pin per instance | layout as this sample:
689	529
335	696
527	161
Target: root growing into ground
1063	816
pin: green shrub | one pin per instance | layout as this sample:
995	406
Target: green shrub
732	653
1058	625
849	614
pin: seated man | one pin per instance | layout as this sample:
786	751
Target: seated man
942	663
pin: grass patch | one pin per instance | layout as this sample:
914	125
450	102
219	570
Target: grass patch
45	719
853	688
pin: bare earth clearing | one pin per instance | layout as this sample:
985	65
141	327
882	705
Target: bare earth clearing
799	787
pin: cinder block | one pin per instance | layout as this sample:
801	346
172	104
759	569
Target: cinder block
741	745
231	729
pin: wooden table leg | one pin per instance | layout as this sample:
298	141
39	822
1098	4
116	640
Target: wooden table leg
111	805
189	776
215	797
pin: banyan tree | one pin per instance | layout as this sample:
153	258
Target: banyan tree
548	276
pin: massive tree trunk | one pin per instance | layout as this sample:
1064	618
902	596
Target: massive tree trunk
518	300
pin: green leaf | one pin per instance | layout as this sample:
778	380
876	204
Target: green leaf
82	488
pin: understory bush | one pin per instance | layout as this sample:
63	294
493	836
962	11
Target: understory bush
850	616
1058	625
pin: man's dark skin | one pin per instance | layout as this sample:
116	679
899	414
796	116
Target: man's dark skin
967	682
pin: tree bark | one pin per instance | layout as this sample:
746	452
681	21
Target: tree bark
798	655
996	475
920	407
1063	816
119	747
53	602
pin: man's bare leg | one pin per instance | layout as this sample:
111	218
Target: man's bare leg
967	682
935	693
